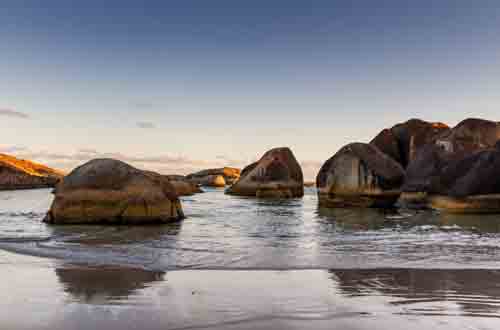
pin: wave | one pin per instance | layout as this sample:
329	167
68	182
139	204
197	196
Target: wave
154	260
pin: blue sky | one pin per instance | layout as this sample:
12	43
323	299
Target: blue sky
182	85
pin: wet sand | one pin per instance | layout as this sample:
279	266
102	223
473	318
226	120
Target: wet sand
48	294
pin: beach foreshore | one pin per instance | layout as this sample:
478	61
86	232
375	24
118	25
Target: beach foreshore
40	293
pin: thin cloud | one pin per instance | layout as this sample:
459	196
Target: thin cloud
146	124
231	161
166	164
13	113
88	151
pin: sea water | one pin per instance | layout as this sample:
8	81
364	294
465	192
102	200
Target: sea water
227	232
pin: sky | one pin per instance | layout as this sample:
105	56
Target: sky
178	86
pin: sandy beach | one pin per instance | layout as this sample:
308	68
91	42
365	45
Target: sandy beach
46	294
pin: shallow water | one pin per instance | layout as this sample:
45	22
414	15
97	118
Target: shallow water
227	232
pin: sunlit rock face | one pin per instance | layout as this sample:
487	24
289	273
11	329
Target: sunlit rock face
111	191
430	172
277	175
361	175
215	177
209	181
402	141
23	174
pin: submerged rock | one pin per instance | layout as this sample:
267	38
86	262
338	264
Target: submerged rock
277	174
111	191
23	174
359	174
215	177
402	141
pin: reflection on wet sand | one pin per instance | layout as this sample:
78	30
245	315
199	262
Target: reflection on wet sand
471	292
411	291
104	285
43	294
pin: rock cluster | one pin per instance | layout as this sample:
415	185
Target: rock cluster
453	169
419	163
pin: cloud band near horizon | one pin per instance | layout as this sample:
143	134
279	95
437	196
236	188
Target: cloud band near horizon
164	164
13	113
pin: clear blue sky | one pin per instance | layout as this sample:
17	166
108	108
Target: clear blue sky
182	85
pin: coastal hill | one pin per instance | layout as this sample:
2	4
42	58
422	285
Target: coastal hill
18	173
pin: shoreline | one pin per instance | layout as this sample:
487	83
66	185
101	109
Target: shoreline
442	266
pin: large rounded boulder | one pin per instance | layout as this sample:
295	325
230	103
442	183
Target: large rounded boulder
359	175
111	191
470	184
429	173
402	141
277	175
